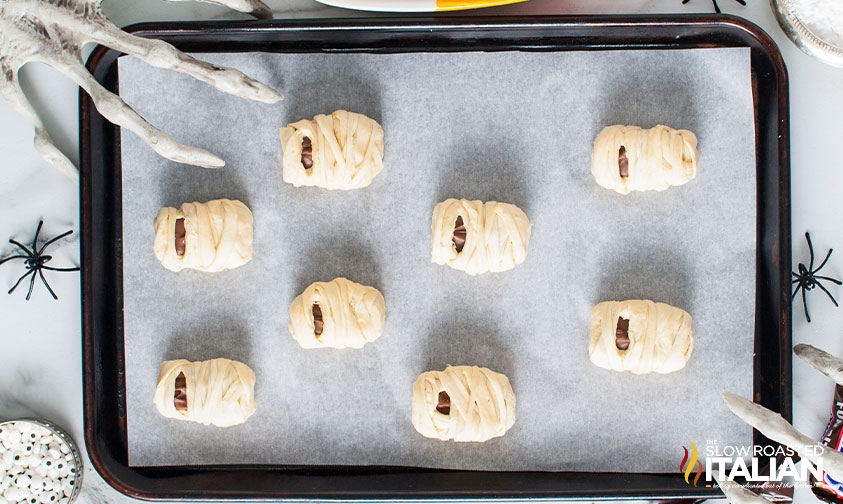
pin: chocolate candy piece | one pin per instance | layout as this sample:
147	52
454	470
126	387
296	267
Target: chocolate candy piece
444	405
831	437
318	324
180	232
180	396
306	153
623	162
459	234
622	334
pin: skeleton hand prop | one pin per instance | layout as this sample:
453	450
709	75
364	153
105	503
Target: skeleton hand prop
54	31
254	7
778	429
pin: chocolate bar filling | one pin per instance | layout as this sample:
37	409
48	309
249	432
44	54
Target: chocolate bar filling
180	232
306	153
622	334
444	405
623	162
459	234
180	396
318	324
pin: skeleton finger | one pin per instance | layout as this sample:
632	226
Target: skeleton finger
254	7
776	428
163	55
13	94
118	112
823	362
736	493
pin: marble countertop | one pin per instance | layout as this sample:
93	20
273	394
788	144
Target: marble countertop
40	351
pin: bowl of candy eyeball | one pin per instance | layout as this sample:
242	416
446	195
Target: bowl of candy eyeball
39	464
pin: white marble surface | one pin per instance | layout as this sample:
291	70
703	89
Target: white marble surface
40	351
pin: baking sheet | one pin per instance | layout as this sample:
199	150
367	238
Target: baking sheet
515	127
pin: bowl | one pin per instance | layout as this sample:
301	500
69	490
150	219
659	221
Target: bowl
803	37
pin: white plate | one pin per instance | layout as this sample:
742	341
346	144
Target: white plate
416	5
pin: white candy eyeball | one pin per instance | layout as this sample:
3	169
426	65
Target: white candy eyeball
48	498
13	494
53	453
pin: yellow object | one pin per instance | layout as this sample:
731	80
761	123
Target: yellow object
446	5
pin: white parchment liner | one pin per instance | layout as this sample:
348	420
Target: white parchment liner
515	127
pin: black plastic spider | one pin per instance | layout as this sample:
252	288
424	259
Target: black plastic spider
717	7
35	261
807	278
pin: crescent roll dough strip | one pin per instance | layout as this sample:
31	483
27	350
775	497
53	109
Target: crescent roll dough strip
660	337
219	391
656	158
218	236
496	235
346	150
481	402
351	315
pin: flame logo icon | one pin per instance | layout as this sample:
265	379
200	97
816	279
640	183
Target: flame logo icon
690	467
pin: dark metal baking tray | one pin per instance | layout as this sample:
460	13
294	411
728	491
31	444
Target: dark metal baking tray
102	270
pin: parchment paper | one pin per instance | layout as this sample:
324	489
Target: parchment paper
515	127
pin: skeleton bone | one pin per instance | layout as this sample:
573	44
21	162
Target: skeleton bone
823	362
53	32
254	7
776	428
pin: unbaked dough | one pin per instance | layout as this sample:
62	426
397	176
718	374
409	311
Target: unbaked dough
217	236
659	337
496	235
480	404
345	149
218	391
654	159
337	314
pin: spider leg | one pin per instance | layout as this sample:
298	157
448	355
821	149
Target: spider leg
37	232
810	250
824	261
53	240
742	2
838	282
829	294
61	269
716	7
795	292
805	305
29	253
13	257
20	280
44	280
31	285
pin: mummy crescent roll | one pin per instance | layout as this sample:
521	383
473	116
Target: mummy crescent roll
463	403
343	150
628	158
640	336
217	392
337	314
212	236
478	237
